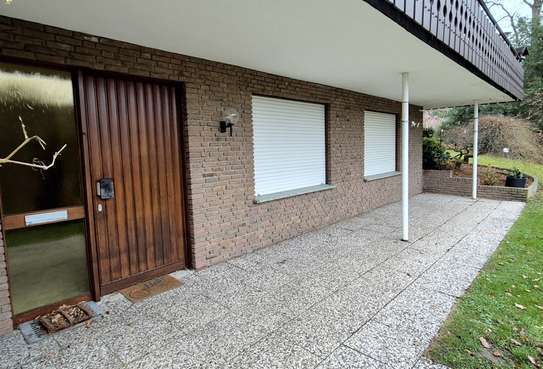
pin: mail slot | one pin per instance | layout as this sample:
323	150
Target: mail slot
105	188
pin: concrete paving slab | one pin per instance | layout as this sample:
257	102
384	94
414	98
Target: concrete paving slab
350	295
412	261
274	352
317	332
450	279
398	348
345	357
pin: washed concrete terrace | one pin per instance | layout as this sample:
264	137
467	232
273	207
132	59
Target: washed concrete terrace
347	296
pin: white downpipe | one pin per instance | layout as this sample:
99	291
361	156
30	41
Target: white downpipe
475	149
405	156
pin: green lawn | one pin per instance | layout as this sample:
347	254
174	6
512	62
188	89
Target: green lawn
504	306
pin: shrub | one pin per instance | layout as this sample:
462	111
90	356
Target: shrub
496	133
489	177
515	172
434	154
428	132
534	106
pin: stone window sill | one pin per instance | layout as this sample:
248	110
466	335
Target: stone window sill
291	193
377	177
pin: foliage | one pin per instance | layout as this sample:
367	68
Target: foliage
531	108
428	132
434	154
463	153
515	172
524	32
502	309
533	66
533	76
463	115
489	177
533	105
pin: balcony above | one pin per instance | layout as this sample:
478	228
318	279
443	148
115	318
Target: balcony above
454	51
464	30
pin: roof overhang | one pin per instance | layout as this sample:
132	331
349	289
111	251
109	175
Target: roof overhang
347	44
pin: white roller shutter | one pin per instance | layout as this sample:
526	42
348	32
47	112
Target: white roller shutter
379	143
289	145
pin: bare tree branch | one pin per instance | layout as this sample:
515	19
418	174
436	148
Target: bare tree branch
27	140
37	166
508	15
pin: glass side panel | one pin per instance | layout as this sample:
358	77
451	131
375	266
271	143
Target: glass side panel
43	100
46	264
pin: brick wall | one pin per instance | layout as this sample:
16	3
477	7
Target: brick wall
5	306
223	219
443	181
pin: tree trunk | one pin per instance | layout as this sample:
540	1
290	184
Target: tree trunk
536	12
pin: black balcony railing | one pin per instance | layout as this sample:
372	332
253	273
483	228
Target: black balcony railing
468	29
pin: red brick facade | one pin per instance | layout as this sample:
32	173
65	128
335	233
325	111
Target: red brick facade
223	219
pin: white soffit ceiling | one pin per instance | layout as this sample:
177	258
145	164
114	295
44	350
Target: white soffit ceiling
346	44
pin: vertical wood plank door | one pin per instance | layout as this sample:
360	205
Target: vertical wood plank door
131	135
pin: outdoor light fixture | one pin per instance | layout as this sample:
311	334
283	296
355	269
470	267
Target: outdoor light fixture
231	117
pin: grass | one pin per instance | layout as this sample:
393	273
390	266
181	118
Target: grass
532	169
525	167
504	305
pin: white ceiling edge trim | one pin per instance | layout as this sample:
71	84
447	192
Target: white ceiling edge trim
352	46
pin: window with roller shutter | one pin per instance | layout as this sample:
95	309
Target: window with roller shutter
289	145
379	143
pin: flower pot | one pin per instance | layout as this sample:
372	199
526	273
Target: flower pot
512	181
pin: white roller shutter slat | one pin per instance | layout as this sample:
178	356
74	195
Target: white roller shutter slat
379	143
289	145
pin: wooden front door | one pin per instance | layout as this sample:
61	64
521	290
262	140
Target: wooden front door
134	181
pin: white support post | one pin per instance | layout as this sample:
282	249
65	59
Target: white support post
405	156
475	149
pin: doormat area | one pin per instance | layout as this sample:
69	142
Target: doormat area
153	287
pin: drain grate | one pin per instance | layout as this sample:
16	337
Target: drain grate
32	331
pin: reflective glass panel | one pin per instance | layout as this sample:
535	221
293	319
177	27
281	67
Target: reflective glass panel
46	263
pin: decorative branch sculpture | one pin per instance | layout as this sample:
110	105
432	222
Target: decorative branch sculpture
27	140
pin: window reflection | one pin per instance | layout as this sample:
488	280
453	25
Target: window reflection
47	263
43	100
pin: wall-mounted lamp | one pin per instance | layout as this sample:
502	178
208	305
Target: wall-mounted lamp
231	117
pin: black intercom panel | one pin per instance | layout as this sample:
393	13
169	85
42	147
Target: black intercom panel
105	188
